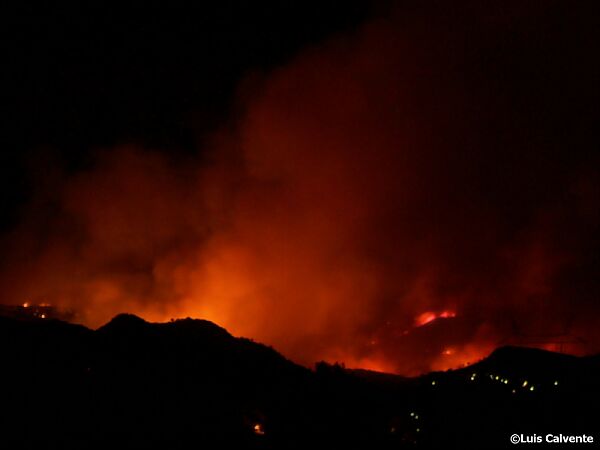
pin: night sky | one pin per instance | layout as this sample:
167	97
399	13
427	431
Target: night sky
401	186
98	75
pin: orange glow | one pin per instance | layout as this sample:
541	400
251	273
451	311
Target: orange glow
258	429
455	358
425	318
374	364
26	305
375	360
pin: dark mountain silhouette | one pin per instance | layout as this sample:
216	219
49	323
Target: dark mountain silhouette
189	383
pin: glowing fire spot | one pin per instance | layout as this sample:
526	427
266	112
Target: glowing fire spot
461	356
375	362
258	429
430	316
43	316
26	305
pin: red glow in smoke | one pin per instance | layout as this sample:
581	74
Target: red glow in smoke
359	188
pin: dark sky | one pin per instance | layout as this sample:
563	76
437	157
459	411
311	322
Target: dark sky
99	74
320	176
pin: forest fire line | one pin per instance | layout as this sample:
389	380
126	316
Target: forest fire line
429	316
377	359
450	357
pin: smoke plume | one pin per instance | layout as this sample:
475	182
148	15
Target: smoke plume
405	198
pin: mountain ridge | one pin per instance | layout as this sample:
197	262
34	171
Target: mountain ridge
190	382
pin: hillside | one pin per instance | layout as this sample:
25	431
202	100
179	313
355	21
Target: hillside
190	383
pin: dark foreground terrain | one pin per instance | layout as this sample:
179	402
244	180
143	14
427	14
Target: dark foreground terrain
190	384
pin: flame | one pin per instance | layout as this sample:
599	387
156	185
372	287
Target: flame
430	316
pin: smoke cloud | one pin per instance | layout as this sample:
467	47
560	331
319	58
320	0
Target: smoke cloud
405	198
